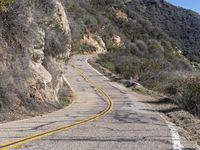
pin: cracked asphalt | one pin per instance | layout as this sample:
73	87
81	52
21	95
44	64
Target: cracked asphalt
131	125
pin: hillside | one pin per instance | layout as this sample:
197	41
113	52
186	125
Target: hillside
181	25
145	40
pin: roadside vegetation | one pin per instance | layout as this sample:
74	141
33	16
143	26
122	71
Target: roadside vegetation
153	59
64	101
181	86
188	94
4	4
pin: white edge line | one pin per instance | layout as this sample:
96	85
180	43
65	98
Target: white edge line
96	70
68	83
176	141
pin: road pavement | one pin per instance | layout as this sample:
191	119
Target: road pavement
104	116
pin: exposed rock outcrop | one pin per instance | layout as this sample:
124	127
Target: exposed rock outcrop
95	42
34	45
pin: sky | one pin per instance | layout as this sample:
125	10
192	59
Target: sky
189	4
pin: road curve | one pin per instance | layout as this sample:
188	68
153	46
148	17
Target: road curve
104	116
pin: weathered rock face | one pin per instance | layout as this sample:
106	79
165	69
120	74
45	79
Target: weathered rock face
34	45
94	41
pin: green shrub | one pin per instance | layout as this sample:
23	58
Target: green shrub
171	89
189	95
64	100
76	46
4	4
71	8
87	48
109	65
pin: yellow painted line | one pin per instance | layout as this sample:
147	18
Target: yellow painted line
27	139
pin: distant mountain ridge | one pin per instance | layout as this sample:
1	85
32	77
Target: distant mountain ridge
180	24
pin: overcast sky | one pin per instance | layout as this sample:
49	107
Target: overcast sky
189	4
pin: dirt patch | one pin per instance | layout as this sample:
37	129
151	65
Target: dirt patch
23	113
189	123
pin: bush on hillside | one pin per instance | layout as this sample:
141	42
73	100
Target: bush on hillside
4	4
189	95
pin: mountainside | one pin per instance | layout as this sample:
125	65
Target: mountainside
181	25
151	41
135	45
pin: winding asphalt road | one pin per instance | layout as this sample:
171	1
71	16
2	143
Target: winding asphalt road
104	116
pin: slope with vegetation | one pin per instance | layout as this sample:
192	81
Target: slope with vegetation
181	25
154	53
4	4
151	41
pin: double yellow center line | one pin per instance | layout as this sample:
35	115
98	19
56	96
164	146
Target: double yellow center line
27	139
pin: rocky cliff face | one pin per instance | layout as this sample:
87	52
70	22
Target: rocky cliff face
34	45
